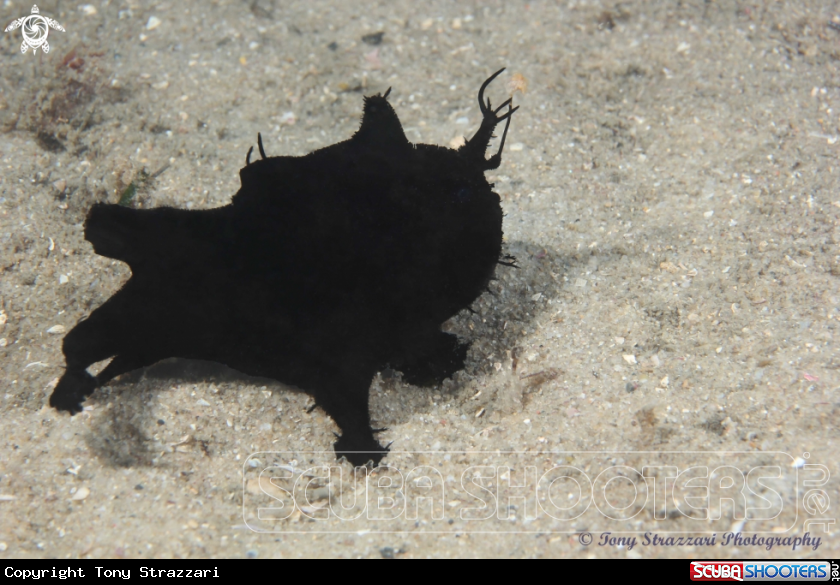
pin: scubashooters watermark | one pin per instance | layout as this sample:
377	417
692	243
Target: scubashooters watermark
763	571
753	495
35	29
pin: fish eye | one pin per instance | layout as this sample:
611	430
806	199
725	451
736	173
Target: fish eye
463	194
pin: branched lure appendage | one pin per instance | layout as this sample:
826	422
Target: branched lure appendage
474	149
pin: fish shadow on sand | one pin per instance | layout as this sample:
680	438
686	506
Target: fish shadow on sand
503	316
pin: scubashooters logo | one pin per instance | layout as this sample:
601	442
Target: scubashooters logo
549	492
760	571
35	29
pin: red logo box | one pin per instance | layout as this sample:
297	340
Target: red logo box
717	571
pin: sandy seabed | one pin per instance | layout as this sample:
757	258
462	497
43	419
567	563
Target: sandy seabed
670	196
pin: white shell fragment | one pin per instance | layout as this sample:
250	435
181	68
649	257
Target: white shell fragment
81	494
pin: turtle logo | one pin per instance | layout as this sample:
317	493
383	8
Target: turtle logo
35	30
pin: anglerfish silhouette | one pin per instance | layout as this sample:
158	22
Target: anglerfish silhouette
323	270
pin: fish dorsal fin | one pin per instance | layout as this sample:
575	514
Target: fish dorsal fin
380	124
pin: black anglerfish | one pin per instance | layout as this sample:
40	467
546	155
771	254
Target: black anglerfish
323	270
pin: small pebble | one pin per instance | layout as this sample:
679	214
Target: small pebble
373	38
88	9
139	487
57	329
3	546
321	493
373	60
81	494
153	23
252	554
63	279
629	358
517	146
387	552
